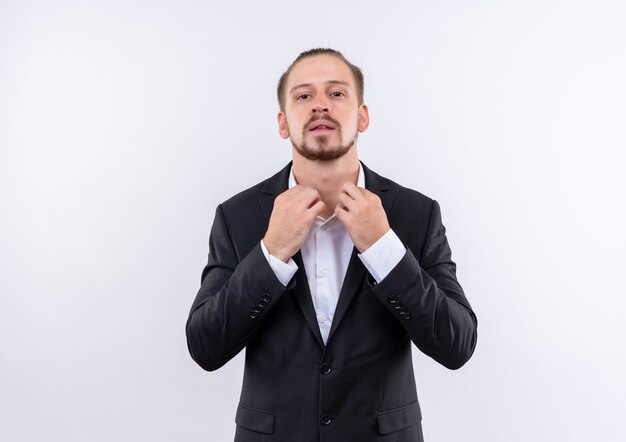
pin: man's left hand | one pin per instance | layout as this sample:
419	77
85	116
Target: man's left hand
362	213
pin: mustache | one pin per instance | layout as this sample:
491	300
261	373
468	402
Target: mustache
326	117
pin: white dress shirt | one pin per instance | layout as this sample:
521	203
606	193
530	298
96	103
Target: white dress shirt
326	253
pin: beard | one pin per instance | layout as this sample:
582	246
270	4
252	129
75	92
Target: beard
321	150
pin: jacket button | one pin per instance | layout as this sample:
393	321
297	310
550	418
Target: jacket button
267	297
407	316
326	368
392	299
326	419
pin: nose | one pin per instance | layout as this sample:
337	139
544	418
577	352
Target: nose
321	105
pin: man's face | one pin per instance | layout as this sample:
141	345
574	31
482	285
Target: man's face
322	115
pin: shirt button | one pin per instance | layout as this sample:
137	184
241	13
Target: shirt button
326	368
326	419
323	227
324	272
322	319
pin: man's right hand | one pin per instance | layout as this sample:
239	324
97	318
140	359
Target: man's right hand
292	217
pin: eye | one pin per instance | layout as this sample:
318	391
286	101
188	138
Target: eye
337	94
303	97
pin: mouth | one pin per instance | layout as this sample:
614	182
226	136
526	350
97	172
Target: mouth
321	126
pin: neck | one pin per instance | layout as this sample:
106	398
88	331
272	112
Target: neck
327	177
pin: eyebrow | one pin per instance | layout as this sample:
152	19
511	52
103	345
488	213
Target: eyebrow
342	83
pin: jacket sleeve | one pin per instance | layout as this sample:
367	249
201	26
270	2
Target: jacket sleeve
429	302
234	297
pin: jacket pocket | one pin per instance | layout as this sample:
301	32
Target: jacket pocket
255	420
398	419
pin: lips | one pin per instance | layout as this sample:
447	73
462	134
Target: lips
321	125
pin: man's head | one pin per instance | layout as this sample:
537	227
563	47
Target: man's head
321	101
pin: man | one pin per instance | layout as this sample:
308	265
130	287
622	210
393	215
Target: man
325	273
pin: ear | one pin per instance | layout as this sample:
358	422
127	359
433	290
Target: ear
364	118
283	129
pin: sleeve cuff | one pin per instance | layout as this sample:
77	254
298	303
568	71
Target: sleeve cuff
382	256
284	271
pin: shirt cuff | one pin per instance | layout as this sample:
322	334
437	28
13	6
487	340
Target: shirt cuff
382	256
284	271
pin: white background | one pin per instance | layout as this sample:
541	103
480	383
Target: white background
123	124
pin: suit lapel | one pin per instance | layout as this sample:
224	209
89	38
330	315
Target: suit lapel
302	294
304	299
351	283
380	186
272	187
357	272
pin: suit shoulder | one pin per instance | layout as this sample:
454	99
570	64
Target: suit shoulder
248	198
407	195
243	198
410	194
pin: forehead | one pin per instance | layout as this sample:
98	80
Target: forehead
317	69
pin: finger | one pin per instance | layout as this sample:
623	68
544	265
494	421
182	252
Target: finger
346	201
295	189
365	192
368	194
317	208
341	213
309	197
292	194
354	192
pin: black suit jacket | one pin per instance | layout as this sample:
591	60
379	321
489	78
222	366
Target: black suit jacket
360	386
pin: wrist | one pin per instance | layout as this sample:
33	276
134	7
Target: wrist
276	252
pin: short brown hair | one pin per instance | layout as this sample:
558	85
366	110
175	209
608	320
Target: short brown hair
356	73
